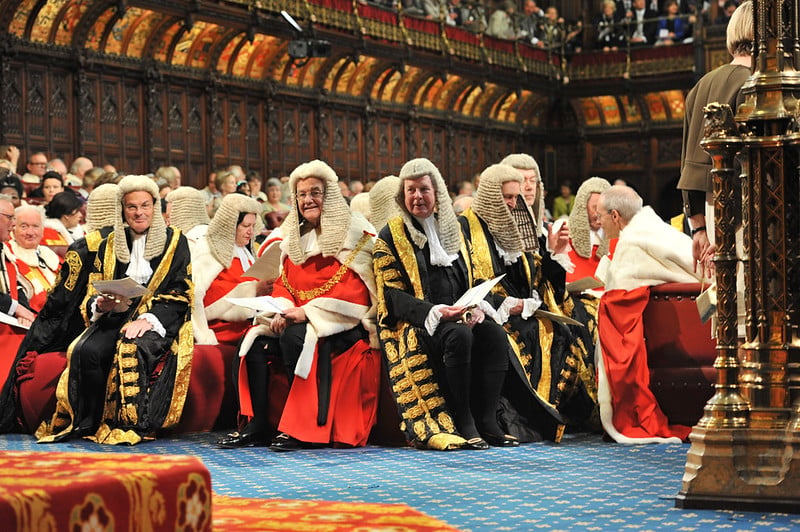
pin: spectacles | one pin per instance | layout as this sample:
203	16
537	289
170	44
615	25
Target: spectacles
314	193
9	216
38	164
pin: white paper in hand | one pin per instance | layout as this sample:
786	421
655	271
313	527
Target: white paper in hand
475	294
11	320
125	287
261	303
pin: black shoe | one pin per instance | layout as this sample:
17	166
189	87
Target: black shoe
506	440
235	440
84	428
284	443
475	444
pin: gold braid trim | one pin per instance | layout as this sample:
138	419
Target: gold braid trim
75	264
308	295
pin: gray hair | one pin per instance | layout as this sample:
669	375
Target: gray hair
622	199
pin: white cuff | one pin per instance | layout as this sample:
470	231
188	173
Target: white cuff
504	311
96	314
154	321
433	318
489	311
531	305
12	309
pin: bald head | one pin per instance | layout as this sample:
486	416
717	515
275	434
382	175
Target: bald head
618	204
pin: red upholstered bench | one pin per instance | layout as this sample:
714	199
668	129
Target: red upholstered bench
680	352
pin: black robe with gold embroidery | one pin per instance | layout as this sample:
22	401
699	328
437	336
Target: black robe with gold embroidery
404	287
58	323
137	402
558	359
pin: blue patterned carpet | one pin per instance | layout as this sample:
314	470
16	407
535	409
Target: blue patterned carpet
581	484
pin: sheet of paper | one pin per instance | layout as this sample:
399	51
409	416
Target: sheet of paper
472	296
556	317
587	283
267	266
261	303
126	287
11	320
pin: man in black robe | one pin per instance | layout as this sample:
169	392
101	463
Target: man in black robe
422	267
128	374
549	354
60	321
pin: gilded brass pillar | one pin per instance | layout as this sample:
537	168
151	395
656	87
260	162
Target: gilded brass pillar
745	451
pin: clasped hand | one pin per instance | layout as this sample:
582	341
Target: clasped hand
290	316
111	302
470	316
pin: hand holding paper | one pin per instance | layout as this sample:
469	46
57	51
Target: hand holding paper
475	294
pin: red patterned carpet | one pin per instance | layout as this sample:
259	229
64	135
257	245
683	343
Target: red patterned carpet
105	492
231	513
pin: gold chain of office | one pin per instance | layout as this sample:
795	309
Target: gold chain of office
307	295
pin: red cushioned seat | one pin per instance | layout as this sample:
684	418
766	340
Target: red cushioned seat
680	352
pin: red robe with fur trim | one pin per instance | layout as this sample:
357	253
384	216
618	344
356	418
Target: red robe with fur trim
648	252
227	332
11	337
355	373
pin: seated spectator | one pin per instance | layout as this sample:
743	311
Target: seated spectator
642	24
456	14
126	375
13	300
562	204
219	261
422	268
501	22
475	20
555	34
36	263
610	35
255	182
529	21
51	185
37	166
274	204
726	13
648	252
9	157
225	182
62	225
60	321
672	28
186	210
11	186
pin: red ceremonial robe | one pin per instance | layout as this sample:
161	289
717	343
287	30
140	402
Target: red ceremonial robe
10	336
227	332
354	373
584	267
635	411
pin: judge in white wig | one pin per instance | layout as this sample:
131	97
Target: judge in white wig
326	290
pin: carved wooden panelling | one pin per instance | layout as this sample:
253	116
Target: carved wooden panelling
622	154
235	130
176	115
132	108
158	121
253	136
60	98
12	102
296	132
110	114
35	106
343	149
669	152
